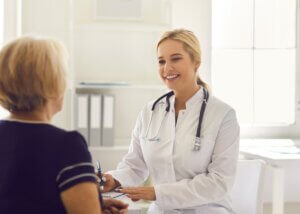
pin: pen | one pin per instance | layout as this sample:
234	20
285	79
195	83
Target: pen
101	183
99	173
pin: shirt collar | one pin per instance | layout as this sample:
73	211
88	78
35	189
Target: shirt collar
197	97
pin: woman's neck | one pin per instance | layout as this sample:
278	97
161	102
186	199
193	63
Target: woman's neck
40	115
181	97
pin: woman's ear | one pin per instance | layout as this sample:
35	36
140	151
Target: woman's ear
197	65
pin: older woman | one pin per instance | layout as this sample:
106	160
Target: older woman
44	169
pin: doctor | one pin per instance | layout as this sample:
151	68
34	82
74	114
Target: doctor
187	141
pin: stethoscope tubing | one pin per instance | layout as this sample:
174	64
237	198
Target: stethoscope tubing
197	144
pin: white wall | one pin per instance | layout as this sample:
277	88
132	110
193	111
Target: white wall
52	19
118	53
114	50
195	15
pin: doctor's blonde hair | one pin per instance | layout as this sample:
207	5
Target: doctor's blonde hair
190	44
32	70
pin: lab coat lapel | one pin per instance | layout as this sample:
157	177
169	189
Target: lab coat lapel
158	155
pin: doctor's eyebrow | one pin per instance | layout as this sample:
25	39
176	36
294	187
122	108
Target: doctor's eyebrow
172	55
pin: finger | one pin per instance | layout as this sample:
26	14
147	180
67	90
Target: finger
136	196
114	210
106	211
118	203
130	190
124	211
107	202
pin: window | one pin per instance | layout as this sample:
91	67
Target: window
254	59
1	21
3	112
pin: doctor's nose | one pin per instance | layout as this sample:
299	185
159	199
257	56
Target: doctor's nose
167	67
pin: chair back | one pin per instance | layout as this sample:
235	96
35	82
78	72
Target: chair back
248	187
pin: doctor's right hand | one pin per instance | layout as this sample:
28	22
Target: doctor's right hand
110	183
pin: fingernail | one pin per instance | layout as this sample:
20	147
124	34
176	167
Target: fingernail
118	189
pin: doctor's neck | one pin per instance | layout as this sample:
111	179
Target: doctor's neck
182	96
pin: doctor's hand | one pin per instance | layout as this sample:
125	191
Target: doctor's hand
110	183
137	193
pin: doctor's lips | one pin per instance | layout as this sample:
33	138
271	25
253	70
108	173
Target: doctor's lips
171	76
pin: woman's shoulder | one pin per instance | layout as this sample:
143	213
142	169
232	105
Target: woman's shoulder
157	101
219	104
59	137
66	138
63	134
218	109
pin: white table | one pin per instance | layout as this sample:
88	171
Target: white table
277	153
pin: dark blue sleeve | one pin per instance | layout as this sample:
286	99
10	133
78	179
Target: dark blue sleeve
74	161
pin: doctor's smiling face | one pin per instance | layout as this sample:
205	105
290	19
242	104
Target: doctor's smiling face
177	69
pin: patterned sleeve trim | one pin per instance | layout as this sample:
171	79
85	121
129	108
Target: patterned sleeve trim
74	174
76	177
72	167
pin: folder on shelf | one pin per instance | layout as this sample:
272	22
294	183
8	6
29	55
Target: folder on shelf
108	120
82	115
95	132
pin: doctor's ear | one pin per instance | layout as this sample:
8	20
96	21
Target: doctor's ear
197	65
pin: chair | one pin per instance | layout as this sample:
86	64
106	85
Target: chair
248	187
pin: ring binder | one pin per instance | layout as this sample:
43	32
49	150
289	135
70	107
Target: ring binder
95	120
108	121
82	115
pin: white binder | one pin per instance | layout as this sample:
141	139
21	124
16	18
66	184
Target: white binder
95	133
108	120
82	115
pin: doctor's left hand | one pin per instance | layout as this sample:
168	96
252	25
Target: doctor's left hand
137	193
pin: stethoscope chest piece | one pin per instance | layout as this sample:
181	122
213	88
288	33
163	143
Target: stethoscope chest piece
197	144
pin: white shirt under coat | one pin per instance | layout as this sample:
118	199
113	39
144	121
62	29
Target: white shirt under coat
185	181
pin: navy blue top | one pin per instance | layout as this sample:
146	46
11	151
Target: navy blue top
37	163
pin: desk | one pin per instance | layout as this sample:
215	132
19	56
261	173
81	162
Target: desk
277	153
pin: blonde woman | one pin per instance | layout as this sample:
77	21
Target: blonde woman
44	169
187	140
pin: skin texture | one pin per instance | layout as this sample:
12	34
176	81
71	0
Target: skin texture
177	70
81	198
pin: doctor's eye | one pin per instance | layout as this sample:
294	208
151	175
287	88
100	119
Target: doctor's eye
161	61
176	59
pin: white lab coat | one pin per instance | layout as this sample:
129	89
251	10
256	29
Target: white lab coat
185	181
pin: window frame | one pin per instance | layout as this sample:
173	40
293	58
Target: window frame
280	130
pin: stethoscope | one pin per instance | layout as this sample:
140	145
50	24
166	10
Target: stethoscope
197	144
